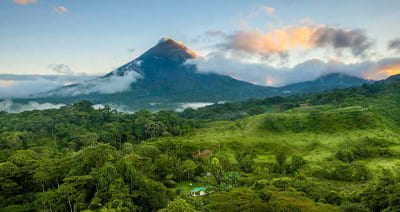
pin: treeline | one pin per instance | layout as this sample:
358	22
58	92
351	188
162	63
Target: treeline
365	95
80	125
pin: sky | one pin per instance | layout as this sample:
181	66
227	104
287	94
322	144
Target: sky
268	42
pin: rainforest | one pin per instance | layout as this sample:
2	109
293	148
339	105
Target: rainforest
332	151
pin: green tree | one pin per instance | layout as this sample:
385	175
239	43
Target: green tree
152	195
216	170
281	158
178	205
187	169
42	173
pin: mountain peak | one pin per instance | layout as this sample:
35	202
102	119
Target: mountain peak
166	39
169	48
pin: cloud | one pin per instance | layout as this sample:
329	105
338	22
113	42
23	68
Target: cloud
194	105
131	50
280	41
264	74
394	44
5	83
277	41
387	67
25	1
21	86
60	9
13	107
105	85
215	32
356	40
61	68
269	10
26	88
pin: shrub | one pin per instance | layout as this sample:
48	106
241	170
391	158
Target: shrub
296	163
260	184
353	207
345	155
255	110
282	183
265	195
343	172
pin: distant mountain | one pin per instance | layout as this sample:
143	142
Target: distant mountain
324	83
392	78
160	78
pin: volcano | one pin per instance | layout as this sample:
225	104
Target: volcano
160	75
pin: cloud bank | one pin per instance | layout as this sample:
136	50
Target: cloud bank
13	107
105	85
280	41
263	74
67	83
21	86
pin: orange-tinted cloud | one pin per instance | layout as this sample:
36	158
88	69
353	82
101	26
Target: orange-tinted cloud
275	41
269	10
388	70
60	9
5	83
25	1
293	37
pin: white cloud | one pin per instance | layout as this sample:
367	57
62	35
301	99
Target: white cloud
269	10
26	88
106	85
20	86
13	107
194	105
60	9
61	68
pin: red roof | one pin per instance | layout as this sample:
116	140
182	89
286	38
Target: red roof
204	152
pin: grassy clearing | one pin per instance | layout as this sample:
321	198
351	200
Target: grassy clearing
317	148
186	186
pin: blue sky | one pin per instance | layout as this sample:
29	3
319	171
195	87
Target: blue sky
96	36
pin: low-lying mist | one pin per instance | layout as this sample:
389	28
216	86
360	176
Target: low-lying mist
11	106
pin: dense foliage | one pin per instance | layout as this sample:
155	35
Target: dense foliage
331	151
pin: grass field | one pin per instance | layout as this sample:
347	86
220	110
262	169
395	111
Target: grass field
317	148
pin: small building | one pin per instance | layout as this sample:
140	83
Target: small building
204	155
199	191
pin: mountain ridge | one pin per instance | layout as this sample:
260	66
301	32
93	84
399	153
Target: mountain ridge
329	81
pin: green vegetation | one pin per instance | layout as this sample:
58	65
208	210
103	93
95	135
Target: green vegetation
334	151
